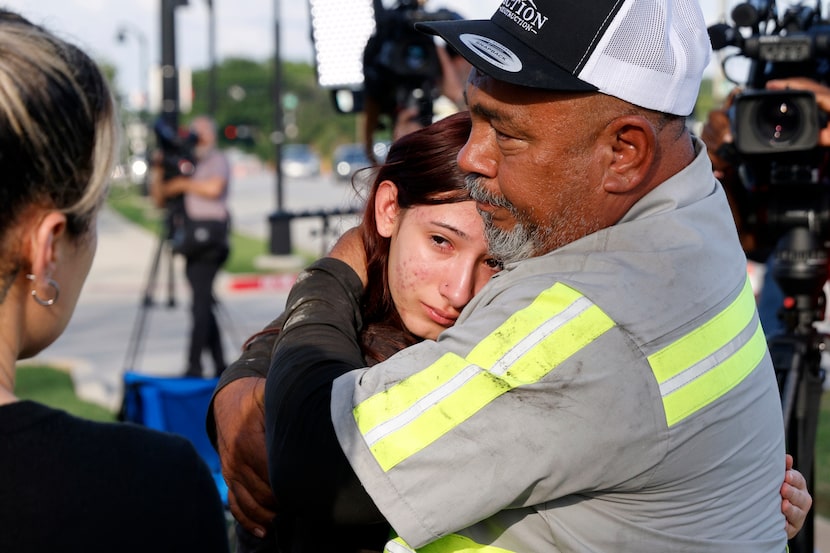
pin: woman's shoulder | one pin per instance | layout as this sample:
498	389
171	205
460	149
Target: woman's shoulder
110	473
122	443
157	462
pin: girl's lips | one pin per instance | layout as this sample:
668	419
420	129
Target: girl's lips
440	317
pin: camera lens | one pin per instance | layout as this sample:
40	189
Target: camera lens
778	121
415	57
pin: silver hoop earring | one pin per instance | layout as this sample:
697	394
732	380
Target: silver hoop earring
41	301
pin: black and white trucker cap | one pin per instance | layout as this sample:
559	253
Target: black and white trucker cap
650	53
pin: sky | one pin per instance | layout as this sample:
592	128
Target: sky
244	28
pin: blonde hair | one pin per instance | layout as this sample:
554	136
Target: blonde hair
57	117
58	131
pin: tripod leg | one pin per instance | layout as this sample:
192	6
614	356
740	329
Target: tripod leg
797	362
802	440
137	333
171	282
224	315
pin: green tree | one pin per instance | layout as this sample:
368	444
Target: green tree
244	93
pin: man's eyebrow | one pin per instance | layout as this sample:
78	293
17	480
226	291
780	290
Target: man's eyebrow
486	113
481	110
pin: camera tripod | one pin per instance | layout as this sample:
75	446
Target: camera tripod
800	268
163	249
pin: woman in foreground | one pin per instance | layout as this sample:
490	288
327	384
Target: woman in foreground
68	484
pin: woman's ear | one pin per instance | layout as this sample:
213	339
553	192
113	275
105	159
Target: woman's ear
44	240
386	208
633	143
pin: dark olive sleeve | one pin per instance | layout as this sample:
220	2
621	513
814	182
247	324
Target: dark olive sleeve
253	362
309	473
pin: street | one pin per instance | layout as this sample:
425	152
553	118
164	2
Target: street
253	197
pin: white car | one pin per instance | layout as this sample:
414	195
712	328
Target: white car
349	158
299	160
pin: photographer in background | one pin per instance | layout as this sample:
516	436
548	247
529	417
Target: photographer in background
200	232
406	73
717	136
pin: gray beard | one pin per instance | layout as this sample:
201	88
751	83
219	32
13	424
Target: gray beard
508	246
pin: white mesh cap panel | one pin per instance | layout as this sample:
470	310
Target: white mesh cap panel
663	72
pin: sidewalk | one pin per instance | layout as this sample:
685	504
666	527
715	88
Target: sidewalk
111	323
822	535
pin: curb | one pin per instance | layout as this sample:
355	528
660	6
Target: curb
260	283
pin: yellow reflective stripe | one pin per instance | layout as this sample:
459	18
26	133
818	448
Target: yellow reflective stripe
556	300
452	543
407	393
417	411
705	364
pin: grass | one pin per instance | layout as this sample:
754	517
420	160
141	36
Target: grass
822	461
53	387
132	205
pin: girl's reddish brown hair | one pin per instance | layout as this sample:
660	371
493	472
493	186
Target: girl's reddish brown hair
423	167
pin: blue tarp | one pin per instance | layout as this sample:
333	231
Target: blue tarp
177	405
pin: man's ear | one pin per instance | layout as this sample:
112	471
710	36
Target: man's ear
43	246
633	143
386	208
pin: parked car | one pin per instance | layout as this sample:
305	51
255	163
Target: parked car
299	160
349	158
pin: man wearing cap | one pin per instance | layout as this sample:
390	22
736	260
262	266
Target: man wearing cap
611	389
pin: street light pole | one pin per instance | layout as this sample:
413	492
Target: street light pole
128	29
169	70
279	135
212	103
280	220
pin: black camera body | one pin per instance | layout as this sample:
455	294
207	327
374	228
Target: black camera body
400	64
783	198
781	166
178	151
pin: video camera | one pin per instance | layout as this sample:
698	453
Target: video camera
400	65
783	200
775	147
178	151
178	159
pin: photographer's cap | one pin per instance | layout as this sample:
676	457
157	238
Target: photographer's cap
650	53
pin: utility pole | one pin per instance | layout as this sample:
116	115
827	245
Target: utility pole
169	70
212	98
280	220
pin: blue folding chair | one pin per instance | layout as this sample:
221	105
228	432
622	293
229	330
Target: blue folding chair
177	405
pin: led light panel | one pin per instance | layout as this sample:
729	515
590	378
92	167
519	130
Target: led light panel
339	31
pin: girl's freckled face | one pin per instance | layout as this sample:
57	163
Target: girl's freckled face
438	260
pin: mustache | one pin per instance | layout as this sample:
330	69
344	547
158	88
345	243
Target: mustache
478	193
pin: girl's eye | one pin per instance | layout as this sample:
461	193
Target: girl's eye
439	240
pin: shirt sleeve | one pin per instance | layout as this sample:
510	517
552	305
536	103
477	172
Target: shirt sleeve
254	362
309	473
